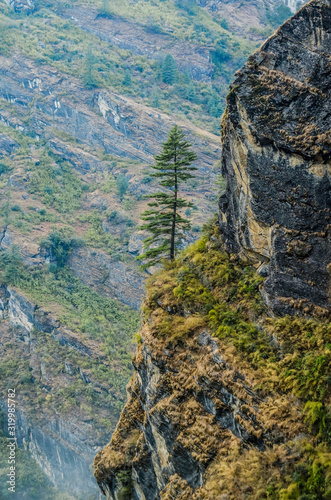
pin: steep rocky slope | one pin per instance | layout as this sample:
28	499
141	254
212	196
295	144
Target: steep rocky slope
65	150
252	19
62	376
226	401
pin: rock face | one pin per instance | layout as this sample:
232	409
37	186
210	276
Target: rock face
21	5
276	159
249	18
60	449
114	279
7	145
207	393
100	119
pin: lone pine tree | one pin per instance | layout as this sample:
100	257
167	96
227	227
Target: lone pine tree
89	69
169	70
163	220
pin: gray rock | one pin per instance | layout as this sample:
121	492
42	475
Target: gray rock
60	448
5	239
85	378
69	368
100	119
7	145
82	161
21	5
136	243
111	278
276	211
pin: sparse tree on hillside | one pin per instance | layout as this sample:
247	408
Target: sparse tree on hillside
89	69
191	95
122	185
173	166
169	70
127	81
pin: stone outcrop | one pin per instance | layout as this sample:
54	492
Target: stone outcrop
276	159
208	393
7	145
112	278
26	6
61	449
183	402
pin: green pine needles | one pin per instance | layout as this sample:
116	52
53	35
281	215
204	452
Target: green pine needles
164	220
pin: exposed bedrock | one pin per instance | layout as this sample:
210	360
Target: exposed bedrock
52	102
112	278
276	160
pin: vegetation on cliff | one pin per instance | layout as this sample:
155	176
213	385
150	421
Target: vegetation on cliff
92	316
49	36
285	362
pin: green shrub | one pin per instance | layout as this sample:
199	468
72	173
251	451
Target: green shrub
122	185
60	244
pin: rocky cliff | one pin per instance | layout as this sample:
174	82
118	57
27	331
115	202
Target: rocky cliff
226	401
276	159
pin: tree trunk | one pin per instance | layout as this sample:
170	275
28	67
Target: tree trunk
173	227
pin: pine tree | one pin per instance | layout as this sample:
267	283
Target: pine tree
122	185
89	69
191	95
169	70
164	222
127	81
186	78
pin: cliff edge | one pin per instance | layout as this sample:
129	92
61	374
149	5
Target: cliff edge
226	402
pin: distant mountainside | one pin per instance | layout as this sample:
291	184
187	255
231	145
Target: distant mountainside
252	18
